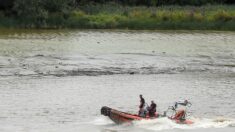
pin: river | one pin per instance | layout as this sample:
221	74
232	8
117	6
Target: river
57	80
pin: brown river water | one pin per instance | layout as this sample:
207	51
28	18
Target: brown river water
57	80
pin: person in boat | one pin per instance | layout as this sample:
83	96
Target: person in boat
180	108
152	109
142	109
142	101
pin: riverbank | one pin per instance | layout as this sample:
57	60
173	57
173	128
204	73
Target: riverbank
216	17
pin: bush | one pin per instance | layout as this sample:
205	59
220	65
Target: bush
223	16
2	14
198	17
77	13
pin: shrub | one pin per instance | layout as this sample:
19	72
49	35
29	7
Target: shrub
198	17
223	16
1	14
164	15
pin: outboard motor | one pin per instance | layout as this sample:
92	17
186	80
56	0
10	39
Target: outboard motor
105	111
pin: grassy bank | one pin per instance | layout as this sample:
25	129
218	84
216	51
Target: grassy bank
220	17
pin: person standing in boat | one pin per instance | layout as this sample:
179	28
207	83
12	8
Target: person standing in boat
142	110
152	109
142	101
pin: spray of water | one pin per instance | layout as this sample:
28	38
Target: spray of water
166	124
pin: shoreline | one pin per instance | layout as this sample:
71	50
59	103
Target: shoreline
41	30
112	30
168	26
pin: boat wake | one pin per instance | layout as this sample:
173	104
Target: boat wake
164	124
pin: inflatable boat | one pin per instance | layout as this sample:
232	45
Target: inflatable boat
120	117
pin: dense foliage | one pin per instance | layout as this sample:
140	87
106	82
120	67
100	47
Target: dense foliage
29	8
161	2
134	14
56	4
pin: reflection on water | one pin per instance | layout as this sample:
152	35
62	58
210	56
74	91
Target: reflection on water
59	80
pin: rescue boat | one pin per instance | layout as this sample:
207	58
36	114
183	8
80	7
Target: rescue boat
120	117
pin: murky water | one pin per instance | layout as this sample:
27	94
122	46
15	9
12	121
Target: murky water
59	80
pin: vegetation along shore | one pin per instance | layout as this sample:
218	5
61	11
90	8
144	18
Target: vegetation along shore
119	14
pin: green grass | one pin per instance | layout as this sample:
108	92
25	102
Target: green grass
217	17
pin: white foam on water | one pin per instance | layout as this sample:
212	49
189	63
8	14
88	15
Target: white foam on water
212	123
101	120
166	124
107	125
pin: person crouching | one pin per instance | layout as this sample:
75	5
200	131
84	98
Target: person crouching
152	109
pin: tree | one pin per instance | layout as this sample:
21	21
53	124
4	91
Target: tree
6	4
58	5
31	9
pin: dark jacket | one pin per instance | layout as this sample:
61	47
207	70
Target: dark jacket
152	109
142	102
